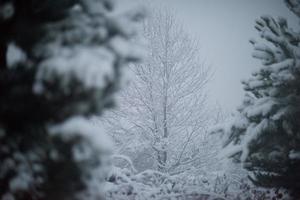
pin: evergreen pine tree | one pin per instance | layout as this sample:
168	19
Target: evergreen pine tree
265	136
74	52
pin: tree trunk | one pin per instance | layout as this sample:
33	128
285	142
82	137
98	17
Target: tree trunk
3	49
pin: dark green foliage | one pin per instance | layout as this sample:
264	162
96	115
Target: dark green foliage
35	164
266	134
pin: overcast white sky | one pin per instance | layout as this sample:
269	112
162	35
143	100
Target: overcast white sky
224	28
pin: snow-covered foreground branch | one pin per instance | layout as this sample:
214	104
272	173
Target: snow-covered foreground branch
124	184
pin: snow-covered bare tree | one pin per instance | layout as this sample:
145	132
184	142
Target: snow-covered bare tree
265	135
162	113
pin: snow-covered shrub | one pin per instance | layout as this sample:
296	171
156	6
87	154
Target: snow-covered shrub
125	183
71	57
122	184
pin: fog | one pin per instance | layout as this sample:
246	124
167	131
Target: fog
223	29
